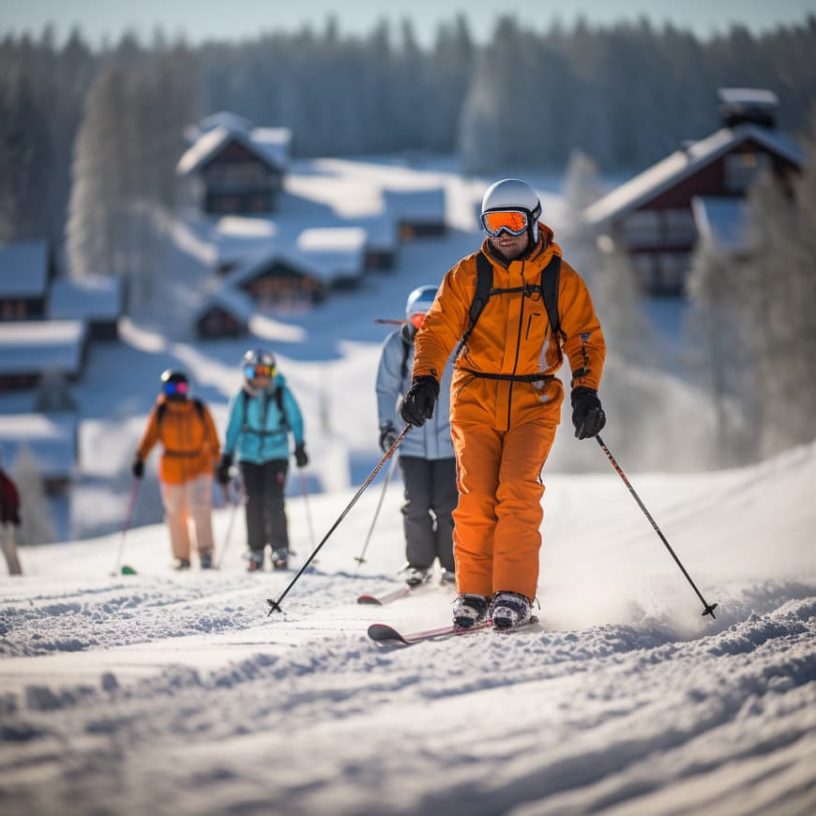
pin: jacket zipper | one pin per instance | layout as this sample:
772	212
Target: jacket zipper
518	350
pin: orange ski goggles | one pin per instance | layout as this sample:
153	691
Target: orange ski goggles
417	319
514	222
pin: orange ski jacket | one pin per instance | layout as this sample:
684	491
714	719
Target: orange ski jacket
512	339
189	437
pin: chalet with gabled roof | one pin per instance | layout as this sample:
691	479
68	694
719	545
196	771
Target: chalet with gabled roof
27	269
234	167
656	217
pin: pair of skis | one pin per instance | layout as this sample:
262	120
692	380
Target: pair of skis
385	634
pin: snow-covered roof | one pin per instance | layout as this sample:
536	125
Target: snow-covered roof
35	346
225	119
273	142
339	250
233	301
748	96
86	299
381	231
271	145
23	269
51	440
722	222
683	163
253	266
238	237
416	205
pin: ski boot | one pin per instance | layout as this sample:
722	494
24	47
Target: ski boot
181	564
256	559
509	610
414	576
280	559
205	560
469	610
448	578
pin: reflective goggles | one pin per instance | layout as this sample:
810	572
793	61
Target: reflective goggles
514	222
417	320
252	372
171	388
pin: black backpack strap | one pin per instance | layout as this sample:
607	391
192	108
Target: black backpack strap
279	402
199	406
550	278
484	283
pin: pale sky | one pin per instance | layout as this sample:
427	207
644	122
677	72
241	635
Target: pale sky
235	19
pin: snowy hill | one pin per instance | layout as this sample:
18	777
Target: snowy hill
163	693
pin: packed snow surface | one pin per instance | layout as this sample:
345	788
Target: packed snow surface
175	693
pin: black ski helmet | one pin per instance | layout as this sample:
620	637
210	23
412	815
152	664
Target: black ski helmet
175	384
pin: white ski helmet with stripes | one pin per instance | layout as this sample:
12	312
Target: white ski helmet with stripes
514	194
419	301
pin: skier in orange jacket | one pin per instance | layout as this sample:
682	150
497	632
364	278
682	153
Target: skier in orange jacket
186	430
505	399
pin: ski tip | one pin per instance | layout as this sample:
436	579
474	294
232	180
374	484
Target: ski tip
369	599
382	633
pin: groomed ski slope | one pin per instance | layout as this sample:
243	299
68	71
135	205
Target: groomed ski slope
166	694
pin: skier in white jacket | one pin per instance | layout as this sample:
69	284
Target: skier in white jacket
426	455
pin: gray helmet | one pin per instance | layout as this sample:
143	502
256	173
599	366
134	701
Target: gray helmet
514	194
420	300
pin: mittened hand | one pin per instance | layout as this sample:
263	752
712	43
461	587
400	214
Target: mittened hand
588	416
222	473
137	468
301	458
418	404
388	433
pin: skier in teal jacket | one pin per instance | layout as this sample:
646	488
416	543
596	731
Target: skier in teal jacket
263	415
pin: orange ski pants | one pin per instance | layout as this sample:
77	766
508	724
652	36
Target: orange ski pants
497	522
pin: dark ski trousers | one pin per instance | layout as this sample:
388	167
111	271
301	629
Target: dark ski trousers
430	499
265	513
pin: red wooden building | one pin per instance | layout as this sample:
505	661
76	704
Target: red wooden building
652	216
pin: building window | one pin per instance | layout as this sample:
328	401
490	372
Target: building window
741	170
673	271
642	228
679	228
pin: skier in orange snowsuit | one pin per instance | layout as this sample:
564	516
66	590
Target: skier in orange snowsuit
505	400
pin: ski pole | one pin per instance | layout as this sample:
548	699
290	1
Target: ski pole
708	609
275	606
304	491
230	525
360	559
134	495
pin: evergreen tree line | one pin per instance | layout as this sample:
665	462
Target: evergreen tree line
623	95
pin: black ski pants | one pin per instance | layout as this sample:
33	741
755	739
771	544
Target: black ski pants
430	498
265	512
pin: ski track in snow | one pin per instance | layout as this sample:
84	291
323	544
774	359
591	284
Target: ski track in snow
613	719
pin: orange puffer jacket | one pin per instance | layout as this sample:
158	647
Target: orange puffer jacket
190	440
512	337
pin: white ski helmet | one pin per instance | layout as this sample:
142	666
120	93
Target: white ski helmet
514	194
419	301
256	357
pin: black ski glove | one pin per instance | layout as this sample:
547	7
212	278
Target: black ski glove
222	473
418	404
587	415
388	433
137	468
301	458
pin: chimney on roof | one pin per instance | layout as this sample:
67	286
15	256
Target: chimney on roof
754	106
